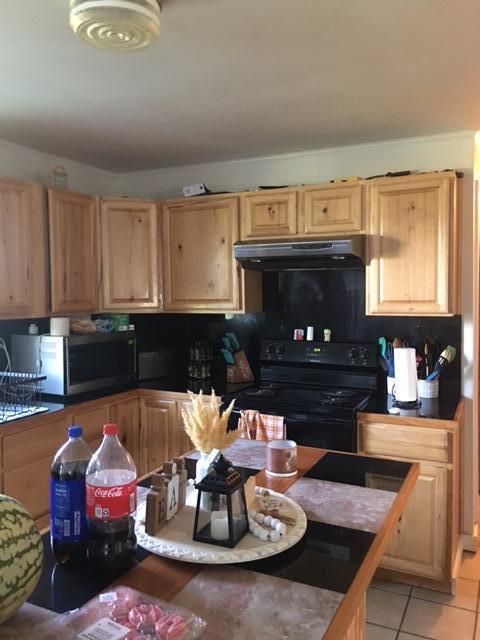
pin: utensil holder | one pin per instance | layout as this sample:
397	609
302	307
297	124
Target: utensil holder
428	388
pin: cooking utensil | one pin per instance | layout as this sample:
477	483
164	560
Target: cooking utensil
227	344
447	355
235	344
383	346
228	356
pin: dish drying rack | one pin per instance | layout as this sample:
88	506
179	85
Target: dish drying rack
20	395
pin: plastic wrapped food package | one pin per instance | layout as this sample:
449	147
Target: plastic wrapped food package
122	613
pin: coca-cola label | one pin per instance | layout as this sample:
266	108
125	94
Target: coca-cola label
110	503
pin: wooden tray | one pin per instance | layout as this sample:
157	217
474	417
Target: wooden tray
175	539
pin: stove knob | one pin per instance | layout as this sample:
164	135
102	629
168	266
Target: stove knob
271	349
280	349
352	354
365	355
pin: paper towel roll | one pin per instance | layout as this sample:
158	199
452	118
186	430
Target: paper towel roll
405	374
59	326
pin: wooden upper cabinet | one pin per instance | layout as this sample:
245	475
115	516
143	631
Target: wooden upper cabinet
269	214
333	209
73	252
23	250
200	272
130	274
412	253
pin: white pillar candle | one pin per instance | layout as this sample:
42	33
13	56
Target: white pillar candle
219	525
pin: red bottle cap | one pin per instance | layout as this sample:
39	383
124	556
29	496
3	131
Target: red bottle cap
110	430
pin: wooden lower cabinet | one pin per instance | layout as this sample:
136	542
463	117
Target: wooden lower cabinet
150	427
419	544
157	433
27	458
126	414
426	542
92	421
185	444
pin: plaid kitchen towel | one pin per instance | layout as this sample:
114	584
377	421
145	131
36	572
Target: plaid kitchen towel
259	426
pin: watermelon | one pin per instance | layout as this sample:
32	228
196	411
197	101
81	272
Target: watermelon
21	556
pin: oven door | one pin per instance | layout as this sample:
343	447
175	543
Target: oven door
318	431
322	432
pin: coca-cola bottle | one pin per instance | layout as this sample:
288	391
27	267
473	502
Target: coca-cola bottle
111	485
68	524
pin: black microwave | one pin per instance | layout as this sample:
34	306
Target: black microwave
78	363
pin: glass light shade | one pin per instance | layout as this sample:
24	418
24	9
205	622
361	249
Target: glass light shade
116	25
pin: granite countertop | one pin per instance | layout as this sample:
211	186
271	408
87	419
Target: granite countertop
176	385
442	408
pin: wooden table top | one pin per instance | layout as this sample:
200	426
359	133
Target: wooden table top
165	578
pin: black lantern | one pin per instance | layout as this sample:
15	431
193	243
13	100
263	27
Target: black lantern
221	516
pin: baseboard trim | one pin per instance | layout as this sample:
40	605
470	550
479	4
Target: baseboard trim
470	542
457	560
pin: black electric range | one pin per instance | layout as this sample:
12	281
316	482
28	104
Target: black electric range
317	386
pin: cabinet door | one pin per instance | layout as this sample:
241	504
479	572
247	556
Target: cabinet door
73	255
418	545
129	254
157	433
184	444
269	215
199	268
27	458
126	415
411	246
23	253
330	210
92	421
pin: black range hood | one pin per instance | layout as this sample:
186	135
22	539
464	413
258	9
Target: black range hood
345	253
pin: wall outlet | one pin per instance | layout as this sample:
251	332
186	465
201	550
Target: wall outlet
198	189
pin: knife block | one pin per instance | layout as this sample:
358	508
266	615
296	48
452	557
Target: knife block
240	371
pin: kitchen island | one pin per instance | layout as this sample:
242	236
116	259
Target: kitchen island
314	590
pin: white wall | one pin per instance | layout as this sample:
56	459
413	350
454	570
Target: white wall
23	163
449	151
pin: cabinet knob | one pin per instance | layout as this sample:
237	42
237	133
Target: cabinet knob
325	210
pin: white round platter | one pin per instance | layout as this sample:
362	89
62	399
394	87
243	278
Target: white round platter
174	540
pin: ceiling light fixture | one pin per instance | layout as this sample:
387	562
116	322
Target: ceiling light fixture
116	25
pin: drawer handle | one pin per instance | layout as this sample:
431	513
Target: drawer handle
325	210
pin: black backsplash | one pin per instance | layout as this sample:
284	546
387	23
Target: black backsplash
333	299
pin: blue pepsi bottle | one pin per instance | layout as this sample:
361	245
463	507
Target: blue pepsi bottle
68	522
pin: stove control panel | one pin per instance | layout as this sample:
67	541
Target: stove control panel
343	354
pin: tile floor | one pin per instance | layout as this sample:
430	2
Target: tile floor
399	612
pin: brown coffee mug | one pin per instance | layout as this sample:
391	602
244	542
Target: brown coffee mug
281	458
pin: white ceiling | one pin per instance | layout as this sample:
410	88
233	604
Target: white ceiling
240	78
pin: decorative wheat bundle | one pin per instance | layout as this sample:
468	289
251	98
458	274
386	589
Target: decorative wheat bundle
206	428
